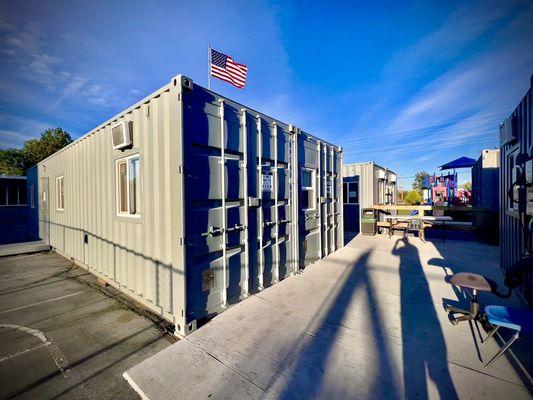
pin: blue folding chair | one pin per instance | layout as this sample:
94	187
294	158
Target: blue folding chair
511	318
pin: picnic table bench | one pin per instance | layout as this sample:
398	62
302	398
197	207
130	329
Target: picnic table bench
442	220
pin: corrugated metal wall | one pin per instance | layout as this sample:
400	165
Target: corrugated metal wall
219	203
485	180
133	253
511	220
365	171
369	177
486	196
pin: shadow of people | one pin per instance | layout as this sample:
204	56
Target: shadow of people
308	374
423	346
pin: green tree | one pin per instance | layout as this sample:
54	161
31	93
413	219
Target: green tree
467	185
17	161
12	162
419	178
400	197
36	150
413	198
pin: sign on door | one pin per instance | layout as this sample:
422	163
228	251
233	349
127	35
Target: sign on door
267	183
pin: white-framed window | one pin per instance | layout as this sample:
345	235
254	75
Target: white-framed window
351	193
128	183
60	193
32	194
308	182
12	193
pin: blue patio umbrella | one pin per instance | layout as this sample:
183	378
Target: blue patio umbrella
461	162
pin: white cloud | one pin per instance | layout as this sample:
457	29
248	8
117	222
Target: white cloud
22	47
9	138
460	109
490	83
21	130
463	26
72	86
32	61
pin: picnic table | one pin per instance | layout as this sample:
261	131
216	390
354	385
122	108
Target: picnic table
440	219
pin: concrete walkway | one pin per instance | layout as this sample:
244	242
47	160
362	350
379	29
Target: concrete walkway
365	323
23	248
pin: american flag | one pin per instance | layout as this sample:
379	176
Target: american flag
223	67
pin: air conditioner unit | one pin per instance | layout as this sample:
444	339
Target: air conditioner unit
121	134
508	130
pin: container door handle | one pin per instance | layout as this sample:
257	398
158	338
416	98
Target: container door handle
213	231
237	227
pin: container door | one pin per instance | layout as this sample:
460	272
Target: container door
215	180
283	204
274	219
237	202
329	198
44	210
310	206
337	192
325	184
351	204
332	197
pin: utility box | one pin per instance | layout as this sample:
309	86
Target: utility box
189	202
369	221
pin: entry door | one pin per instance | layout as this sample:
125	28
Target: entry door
44	210
351	204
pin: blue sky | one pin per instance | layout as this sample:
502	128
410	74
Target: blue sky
409	86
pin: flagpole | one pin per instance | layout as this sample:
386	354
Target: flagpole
209	66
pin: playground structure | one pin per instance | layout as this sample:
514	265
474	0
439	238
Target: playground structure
444	188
